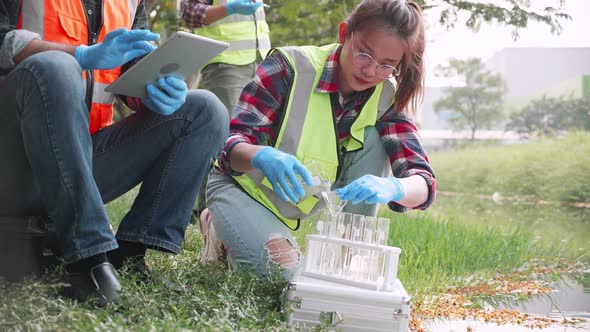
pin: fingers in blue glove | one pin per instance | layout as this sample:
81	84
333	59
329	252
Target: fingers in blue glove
372	189
143	45
243	7
130	36
304	173
155	103
169	96
356	191
284	172
348	192
360	194
288	186
136	42
118	47
295	182
174	86
279	191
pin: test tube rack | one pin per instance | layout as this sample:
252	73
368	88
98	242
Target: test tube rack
352	249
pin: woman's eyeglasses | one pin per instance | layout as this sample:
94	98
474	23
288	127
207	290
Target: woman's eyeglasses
363	60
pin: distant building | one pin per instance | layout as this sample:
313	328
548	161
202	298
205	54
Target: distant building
529	73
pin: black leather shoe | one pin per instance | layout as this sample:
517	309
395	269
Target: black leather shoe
100	283
144	273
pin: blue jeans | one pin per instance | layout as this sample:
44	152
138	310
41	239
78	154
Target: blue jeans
255	238
44	125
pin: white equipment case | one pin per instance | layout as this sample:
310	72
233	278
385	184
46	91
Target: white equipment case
349	279
309	302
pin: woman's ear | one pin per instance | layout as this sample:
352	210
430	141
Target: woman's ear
342	32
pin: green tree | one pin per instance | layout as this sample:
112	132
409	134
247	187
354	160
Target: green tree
551	115
478	103
163	17
315	22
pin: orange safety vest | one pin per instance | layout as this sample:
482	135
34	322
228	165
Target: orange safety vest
64	21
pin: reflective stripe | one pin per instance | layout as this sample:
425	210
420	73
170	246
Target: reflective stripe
241	32
243	45
33	14
387	97
301	95
132	9
100	96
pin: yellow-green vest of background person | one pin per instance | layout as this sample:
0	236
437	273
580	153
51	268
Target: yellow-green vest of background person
242	32
308	131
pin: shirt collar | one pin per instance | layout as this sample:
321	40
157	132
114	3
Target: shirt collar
329	80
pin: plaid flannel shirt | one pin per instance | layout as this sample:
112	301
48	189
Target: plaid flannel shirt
257	115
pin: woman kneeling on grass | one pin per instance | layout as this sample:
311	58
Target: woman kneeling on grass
332	105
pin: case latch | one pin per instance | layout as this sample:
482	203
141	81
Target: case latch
297	302
332	318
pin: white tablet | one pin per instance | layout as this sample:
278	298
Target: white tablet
183	54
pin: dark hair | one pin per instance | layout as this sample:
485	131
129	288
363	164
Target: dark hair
404	19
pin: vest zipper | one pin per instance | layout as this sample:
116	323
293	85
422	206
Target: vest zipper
89	73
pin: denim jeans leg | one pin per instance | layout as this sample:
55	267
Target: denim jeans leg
372	159
244	226
46	91
170	156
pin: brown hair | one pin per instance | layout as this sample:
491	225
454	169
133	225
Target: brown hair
404	19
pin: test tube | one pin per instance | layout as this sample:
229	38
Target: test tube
328	250
343	227
313	256
369	230
322	224
354	254
366	255
382	235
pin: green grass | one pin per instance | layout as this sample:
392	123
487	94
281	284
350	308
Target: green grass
454	243
549	169
435	255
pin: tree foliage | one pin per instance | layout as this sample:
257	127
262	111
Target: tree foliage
512	13
316	22
163	16
548	116
479	102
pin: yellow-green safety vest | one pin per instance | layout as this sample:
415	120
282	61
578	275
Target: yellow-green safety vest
308	131
243	33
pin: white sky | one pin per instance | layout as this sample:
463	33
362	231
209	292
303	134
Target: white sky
460	42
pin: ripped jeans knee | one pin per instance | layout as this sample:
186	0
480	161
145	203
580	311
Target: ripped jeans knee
283	252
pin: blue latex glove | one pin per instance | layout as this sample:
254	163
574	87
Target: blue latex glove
118	47
166	97
372	189
242	7
281	170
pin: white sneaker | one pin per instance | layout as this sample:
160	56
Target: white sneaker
214	251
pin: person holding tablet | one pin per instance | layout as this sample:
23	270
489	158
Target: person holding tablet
241	23
57	56
347	107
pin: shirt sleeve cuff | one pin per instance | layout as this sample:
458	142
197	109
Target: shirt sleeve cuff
224	158
431	183
14	42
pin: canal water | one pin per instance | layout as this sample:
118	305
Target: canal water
564	227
